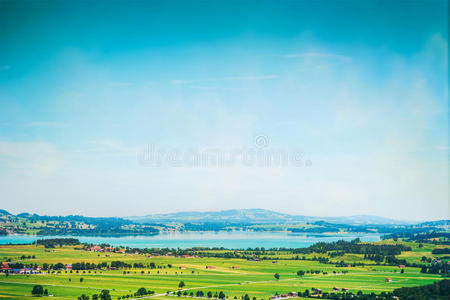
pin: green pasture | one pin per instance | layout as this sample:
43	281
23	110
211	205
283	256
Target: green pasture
255	278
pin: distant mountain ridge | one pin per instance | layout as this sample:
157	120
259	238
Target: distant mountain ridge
235	216
256	216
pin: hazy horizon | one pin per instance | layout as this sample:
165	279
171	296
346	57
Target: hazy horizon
318	108
231	209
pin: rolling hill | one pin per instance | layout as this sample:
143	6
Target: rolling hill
260	216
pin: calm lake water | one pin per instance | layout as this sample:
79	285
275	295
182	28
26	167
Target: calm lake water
235	240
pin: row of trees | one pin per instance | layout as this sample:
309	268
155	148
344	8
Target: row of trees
436	268
354	247
441	251
199	293
104	295
103	265
51	243
438	291
140	293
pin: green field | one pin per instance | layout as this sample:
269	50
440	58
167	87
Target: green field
255	278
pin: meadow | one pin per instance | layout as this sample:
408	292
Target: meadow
255	278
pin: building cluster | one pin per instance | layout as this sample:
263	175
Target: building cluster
104	249
288	295
315	291
5	268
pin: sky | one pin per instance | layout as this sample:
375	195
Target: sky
320	108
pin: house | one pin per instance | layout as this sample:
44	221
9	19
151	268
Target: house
210	267
401	266
5	267
344	289
284	295
96	249
182	267
336	288
235	267
68	266
388	279
293	294
186	256
274	262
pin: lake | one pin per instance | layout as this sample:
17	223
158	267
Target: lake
235	240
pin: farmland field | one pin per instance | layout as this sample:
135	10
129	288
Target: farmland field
255	278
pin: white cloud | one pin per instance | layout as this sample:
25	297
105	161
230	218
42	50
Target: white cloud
120	83
442	148
341	58
46	124
215	88
30	158
110	146
238	78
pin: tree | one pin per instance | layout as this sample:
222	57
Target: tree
402	271
81	279
306	293
45	292
181	284
37	291
209	295
221	295
277	276
104	295
142	291
246	297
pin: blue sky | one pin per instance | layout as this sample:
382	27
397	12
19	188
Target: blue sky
360	87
